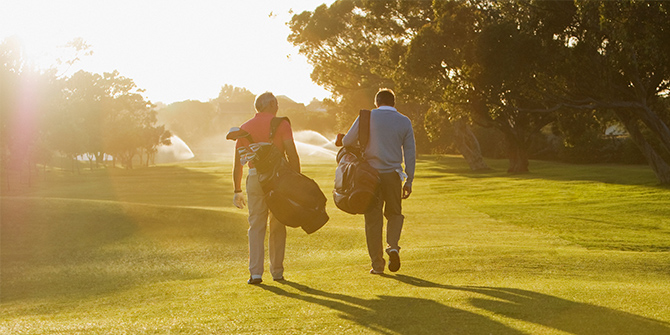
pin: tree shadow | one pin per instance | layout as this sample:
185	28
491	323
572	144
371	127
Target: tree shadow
70	249
174	186
546	170
166	185
76	236
554	312
397	315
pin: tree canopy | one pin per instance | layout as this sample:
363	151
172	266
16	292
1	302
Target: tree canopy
515	67
85	114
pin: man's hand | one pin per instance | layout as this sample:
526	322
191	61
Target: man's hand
239	201
406	190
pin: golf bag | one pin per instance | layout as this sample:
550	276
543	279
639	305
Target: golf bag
356	182
294	199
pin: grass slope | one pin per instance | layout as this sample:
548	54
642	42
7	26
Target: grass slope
564	250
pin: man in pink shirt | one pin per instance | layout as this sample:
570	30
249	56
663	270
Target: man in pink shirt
259	129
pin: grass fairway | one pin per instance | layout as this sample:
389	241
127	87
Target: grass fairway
564	250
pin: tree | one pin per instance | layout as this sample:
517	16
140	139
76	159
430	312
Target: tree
619	56
81	122
151	138
230	93
130	117
28	96
471	57
356	47
512	66
485	62
106	114
193	121
12	67
85	114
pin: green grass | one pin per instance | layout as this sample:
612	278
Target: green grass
599	207
564	250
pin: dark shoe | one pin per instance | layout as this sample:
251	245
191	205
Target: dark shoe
254	281
394	260
375	272
279	279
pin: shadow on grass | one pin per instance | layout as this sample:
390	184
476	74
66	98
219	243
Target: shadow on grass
73	236
553	312
409	315
159	185
546	170
398	315
68	249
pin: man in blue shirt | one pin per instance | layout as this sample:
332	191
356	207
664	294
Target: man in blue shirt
391	141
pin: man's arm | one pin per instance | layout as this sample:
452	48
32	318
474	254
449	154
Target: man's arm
237	172
292	155
238	198
409	150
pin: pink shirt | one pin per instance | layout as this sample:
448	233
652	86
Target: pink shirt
259	129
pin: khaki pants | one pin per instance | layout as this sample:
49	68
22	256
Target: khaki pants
258	220
390	194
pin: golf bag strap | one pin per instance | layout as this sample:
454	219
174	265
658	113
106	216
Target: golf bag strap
274	124
364	128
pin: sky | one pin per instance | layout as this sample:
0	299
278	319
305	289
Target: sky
174	50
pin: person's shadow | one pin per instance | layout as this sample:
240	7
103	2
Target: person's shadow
398	315
553	312
410	315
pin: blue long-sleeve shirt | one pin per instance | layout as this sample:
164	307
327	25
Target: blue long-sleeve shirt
391	140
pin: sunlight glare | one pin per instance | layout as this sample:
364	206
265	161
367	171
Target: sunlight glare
176	51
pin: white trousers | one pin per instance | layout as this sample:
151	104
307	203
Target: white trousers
258	221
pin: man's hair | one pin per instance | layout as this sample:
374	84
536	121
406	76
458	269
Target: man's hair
385	97
263	101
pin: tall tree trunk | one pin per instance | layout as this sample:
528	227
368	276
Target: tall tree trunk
140	154
656	125
99	158
660	167
468	146
517	147
517	153
150	158
128	158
